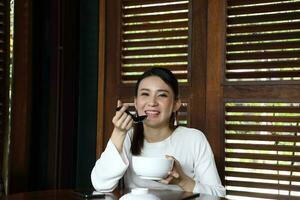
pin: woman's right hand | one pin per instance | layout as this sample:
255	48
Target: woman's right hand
122	122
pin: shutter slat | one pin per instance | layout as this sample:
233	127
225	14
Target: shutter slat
262	147
262	118
293	168
261	195
263	176
257	109
263	185
286	6
152	35
155	51
254	156
153	9
164	25
153	18
263	55
264	18
263	36
135	77
269	74
264	46
144	2
262	128
155	43
154	60
262	65
142	69
285	26
264	137
250	2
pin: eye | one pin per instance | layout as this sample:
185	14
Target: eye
144	94
163	95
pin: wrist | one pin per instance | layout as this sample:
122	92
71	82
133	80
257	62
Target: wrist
117	138
187	184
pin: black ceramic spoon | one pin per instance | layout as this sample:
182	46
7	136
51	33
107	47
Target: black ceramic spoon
136	119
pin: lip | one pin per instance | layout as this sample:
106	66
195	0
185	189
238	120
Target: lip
152	112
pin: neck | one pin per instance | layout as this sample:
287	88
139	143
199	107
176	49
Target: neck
156	134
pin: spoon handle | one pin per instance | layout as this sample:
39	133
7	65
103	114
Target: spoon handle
127	111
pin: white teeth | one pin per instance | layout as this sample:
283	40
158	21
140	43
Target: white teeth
152	112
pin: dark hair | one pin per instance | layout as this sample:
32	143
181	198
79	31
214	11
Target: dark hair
168	77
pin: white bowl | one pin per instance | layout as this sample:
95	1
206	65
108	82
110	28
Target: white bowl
153	168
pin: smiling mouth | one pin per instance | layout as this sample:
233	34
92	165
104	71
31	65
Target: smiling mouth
152	113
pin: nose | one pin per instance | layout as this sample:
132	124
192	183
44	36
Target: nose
153	101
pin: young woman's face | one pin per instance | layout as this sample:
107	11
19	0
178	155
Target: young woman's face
155	99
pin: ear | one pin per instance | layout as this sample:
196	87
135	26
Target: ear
177	105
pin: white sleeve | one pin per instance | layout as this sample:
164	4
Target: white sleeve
207	178
109	168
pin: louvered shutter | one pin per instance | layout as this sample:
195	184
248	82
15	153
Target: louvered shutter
263	40
261	108
141	34
4	57
154	33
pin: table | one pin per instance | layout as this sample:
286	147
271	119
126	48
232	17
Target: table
69	195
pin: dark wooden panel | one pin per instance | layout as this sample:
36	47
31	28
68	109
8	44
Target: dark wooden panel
214	92
270	93
19	157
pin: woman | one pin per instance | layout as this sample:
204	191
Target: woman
156	95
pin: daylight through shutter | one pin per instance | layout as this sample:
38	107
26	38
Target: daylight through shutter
154	33
262	110
4	56
263	42
262	149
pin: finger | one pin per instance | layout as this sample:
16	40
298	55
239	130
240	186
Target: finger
167	180
126	122
119	103
174	174
170	157
120	120
130	124
120	112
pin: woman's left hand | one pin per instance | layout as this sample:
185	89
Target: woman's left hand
178	177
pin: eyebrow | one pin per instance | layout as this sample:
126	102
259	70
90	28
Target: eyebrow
160	90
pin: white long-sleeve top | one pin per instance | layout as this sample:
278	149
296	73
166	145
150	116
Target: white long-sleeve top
189	146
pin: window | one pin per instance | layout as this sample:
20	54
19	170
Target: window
261	99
